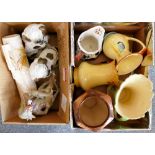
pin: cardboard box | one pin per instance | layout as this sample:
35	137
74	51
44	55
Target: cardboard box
137	30
9	96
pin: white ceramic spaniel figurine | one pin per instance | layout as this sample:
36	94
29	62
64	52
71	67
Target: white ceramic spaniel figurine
35	38
43	65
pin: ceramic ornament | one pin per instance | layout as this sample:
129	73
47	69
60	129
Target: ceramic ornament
134	97
90	43
116	47
35	38
43	66
93	110
17	62
88	75
40	101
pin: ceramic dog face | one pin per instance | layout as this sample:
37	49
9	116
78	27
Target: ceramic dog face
35	38
43	65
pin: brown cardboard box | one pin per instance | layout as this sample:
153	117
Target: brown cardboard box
137	30
9	96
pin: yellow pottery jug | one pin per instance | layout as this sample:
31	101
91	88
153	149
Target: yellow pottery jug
88	75
116	47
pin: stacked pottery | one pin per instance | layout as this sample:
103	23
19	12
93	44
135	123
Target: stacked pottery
95	109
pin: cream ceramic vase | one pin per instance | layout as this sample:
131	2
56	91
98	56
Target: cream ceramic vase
134	97
90	42
116	47
88	75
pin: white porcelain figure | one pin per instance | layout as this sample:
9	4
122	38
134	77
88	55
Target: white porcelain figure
42	66
35	38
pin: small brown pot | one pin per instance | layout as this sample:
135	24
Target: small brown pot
93	110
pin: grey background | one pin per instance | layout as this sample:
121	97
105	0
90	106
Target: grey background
66	128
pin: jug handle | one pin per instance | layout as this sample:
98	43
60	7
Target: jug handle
79	56
140	42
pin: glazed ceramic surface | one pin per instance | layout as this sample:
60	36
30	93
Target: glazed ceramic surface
93	110
88	75
90	42
116	47
134	97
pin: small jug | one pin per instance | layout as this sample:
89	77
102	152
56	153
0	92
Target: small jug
116	47
93	110
90	43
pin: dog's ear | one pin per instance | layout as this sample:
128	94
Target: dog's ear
43	29
26	38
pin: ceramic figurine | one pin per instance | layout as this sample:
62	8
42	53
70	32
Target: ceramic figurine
90	43
116	47
17	63
93	110
35	38
43	65
134	97
40	101
88	75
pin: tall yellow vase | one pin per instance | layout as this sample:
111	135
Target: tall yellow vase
88	75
